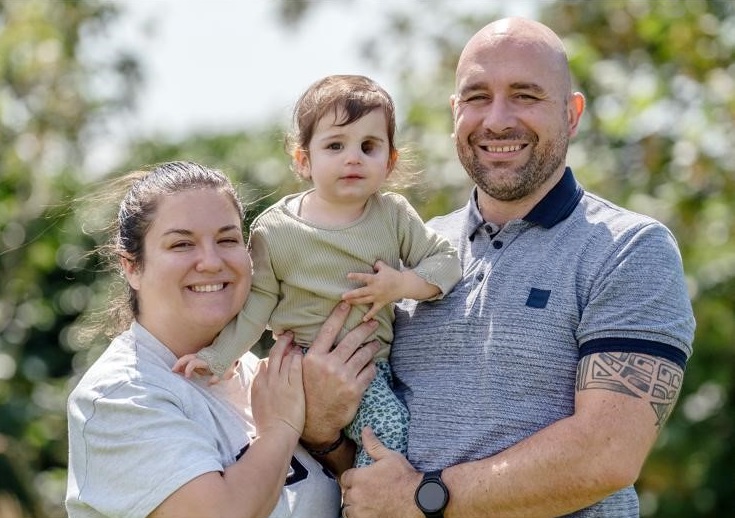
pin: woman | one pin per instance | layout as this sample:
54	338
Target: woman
145	441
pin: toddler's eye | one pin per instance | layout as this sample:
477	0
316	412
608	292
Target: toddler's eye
368	147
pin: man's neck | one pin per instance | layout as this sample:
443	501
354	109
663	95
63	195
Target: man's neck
501	212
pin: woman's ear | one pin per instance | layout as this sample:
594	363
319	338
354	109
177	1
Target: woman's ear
131	272
301	161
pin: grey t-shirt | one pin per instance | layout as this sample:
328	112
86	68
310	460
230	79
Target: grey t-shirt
495	361
138	432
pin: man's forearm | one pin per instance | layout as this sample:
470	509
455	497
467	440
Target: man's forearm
567	466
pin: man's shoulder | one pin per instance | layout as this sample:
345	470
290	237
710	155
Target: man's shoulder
451	223
613	229
603	209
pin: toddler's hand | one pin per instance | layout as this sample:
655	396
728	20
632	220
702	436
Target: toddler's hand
191	363
381	288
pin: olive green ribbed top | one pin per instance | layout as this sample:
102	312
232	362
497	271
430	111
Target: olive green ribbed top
300	271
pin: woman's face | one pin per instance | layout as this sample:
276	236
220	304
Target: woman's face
196	271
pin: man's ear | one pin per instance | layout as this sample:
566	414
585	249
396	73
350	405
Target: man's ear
131	272
575	111
301	161
453	108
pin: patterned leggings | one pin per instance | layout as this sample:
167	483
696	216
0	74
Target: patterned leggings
381	410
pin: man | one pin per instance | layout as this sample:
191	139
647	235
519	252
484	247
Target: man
539	385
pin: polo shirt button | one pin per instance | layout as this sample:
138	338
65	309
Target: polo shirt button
497	245
480	276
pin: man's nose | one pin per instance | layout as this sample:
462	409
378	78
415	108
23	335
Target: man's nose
499	116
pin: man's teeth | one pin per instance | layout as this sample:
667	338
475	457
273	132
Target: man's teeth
504	149
207	288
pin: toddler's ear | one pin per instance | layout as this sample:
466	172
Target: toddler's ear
301	163
392	160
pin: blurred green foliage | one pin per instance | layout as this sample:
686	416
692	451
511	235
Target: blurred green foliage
657	137
47	110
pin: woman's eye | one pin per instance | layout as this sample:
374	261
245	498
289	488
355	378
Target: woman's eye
182	244
230	241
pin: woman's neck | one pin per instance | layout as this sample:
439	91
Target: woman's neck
180	340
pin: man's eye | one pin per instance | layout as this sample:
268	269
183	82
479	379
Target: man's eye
477	98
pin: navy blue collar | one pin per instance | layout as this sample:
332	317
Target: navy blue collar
553	208
558	203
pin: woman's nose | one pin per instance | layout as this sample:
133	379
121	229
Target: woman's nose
209	259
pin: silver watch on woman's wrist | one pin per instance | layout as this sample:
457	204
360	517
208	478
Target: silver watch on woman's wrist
432	496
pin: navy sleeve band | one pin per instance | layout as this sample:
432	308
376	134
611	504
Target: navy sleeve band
632	345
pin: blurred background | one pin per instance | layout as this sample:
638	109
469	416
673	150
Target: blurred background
92	88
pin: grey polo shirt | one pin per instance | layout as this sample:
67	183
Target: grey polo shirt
495	360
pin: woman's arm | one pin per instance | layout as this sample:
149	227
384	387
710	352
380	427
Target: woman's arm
252	486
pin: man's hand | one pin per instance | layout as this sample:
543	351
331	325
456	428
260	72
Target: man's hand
391	477
336	378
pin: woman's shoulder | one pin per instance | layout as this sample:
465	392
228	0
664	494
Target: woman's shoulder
129	368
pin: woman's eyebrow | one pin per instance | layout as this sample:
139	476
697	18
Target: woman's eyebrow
181	231
186	232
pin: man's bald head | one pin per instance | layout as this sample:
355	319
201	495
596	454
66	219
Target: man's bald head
522	32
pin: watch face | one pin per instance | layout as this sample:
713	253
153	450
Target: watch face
432	496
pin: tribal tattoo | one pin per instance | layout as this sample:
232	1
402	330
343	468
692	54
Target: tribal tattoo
638	375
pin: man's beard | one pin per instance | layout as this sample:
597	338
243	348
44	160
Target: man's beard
524	180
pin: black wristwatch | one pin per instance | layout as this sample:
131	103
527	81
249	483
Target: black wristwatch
432	496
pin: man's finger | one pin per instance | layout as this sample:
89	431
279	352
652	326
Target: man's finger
330	329
279	350
372	444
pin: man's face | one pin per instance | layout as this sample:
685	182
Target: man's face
511	117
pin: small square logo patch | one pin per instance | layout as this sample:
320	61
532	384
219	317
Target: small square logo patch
538	298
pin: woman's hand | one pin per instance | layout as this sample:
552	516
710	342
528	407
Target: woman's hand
336	378
278	391
252	485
